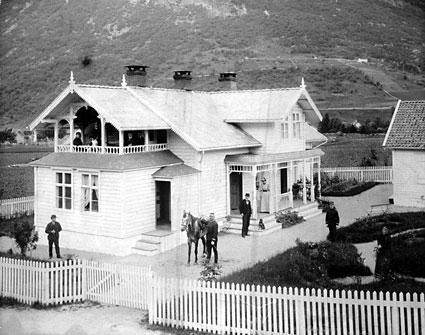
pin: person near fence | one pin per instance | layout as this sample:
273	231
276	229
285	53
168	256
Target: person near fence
246	211
332	220
212	238
52	230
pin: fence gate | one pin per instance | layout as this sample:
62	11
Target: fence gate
118	284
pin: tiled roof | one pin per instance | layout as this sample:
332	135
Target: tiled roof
250	159
108	162
407	128
169	172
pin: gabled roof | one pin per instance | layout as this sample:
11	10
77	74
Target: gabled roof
313	135
194	116
169	172
407	127
197	117
107	162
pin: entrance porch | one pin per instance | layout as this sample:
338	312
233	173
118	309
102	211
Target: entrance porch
274	181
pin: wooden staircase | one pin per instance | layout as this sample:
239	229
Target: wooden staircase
151	242
307	211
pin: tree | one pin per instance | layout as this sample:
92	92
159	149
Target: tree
324	124
24	234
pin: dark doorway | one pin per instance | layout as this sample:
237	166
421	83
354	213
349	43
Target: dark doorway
284	180
235	190
163	203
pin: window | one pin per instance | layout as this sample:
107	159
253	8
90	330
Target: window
90	193
285	128
63	190
296	125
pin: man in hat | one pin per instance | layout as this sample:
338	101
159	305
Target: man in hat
212	238
332	220
52	230
246	211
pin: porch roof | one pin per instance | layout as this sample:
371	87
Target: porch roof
250	159
108	162
169	172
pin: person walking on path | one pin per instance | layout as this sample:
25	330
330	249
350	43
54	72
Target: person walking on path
246	211
383	255
212	238
52	230
332	220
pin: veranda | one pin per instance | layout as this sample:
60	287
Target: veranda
286	180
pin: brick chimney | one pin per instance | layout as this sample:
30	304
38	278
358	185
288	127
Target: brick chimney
182	79
228	81
136	75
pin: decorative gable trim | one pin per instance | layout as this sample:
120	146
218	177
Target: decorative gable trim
391	124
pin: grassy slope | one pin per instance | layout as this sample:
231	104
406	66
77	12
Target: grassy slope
43	40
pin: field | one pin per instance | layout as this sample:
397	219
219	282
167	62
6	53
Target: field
16	178
349	150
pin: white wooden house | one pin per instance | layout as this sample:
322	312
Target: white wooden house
188	150
406	138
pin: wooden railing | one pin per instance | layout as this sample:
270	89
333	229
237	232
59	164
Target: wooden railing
112	150
381	174
16	206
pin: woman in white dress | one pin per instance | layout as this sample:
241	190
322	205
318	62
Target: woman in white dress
265	196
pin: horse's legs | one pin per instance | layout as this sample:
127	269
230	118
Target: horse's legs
189	246
204	245
196	251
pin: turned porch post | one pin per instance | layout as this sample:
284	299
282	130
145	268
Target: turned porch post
34	134
304	184
312	196
254	192
121	141
291	182
228	209
275	188
146	137
102	135
319	182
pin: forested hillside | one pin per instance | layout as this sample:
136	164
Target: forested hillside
271	43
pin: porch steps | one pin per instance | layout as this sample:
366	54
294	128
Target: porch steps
308	211
269	222
150	243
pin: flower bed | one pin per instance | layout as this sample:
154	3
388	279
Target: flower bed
347	188
288	218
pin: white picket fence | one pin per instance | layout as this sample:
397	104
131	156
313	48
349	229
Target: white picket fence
54	283
225	308
380	174
214	307
16	206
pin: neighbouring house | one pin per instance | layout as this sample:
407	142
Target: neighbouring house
362	60
406	138
161	151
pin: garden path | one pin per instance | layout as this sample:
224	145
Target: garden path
236	253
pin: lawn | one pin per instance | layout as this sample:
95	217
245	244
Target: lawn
350	149
17	179
347	188
306	265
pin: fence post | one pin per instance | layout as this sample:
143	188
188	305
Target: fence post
45	284
151	298
300	311
84	278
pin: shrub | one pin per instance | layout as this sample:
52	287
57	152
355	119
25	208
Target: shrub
288	218
24	234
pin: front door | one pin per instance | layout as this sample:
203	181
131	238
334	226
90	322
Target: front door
163	203
235	190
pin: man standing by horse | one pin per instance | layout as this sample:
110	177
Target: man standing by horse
246	211
212	238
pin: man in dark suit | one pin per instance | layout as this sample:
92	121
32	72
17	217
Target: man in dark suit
212	238
52	230
246	211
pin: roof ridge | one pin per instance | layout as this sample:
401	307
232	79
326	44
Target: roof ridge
99	86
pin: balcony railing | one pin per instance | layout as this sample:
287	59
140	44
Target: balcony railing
112	150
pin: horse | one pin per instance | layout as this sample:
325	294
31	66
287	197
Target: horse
195	229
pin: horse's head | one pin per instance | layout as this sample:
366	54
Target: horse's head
187	221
